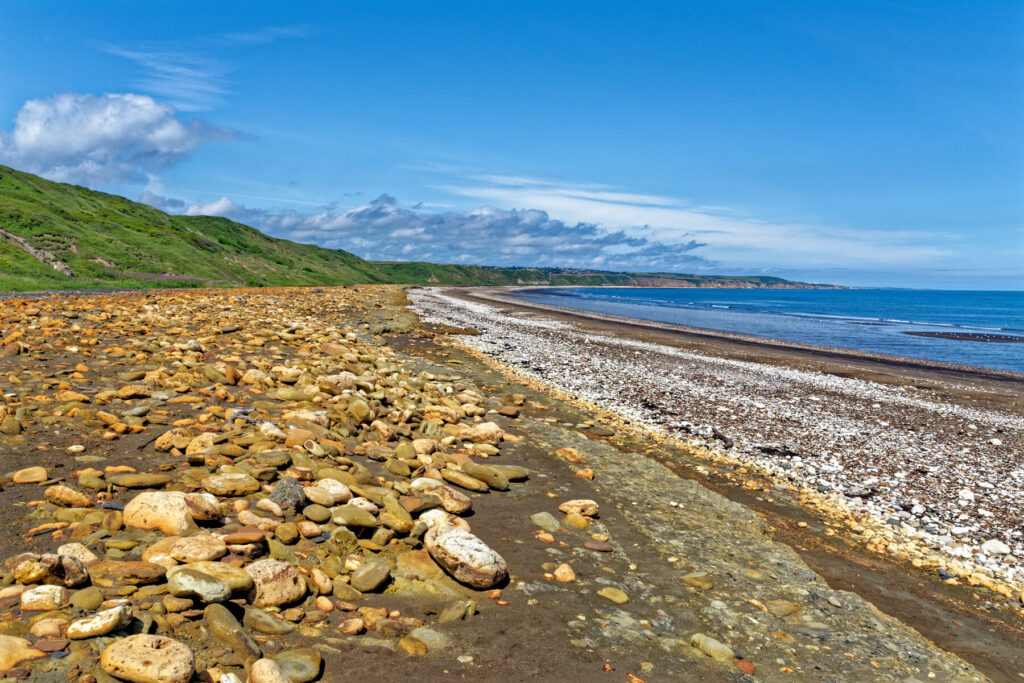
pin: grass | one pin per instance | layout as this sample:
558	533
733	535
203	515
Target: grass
110	241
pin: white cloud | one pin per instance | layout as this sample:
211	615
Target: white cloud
384	230
737	240
189	80
97	139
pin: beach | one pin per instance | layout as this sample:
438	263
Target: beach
932	452
326	478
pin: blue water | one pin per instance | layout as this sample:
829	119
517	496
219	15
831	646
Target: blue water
874	320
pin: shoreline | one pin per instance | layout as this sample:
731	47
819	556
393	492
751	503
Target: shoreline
1001	388
937	528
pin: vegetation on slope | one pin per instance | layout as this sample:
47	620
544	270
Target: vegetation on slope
104	240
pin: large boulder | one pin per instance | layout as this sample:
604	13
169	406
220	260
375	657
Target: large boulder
146	658
465	556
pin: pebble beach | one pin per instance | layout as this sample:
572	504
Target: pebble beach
947	476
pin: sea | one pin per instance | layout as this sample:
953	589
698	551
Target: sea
935	325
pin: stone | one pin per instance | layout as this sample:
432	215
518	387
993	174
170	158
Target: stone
274	583
108	573
100	624
584	507
14	650
29	475
67	497
166	511
299	665
995	547
287	532
256	619
140	480
266	671
465	481
198	548
699	580
203	506
570	455
77	551
236	578
490	476
412	646
317	495
316	513
466	557
64	570
339	492
225	628
455	502
546	521
146	658
230	484
564	574
190	583
371	576
288	494
717	650
783	608
616	595
44	598
350	515
87	599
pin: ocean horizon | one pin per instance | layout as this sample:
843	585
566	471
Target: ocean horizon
983	329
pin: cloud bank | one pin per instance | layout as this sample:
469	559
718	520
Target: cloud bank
384	230
98	139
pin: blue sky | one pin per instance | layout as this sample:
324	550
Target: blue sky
864	143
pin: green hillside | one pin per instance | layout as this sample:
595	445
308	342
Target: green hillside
59	236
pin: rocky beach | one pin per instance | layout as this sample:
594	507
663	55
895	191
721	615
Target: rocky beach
325	484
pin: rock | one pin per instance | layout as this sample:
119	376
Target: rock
599	546
287	532
145	658
350	515
166	511
490	476
198	548
288	494
412	646
564	574
13	651
179	438
107	573
371	576
64	570
783	608
258	620
87	599
225	628
77	551
203	506
230	484
44	598
464	480
101	624
995	547
29	475
67	497
718	651
274	583
267	671
316	513
546	521
453	501
338	491
585	507
570	455
189	583
699	580
299	665
140	480
465	556
616	595
236	578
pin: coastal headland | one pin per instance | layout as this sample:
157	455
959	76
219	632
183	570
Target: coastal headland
328	484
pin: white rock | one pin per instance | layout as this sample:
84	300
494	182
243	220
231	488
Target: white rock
163	510
966	494
465	556
101	624
274	583
266	671
995	547
44	598
78	551
338	491
146	658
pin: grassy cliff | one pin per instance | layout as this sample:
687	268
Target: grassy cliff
59	236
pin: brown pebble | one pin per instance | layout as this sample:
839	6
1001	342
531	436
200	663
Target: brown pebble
599	546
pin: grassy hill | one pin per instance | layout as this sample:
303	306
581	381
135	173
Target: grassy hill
59	236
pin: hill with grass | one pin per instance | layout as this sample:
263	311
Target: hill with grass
60	236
